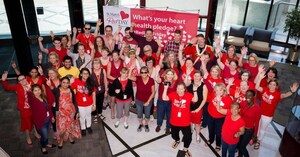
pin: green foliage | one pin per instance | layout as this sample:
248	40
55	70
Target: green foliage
292	23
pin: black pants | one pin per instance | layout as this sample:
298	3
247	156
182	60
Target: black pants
244	140
187	134
99	104
54	115
214	129
204	115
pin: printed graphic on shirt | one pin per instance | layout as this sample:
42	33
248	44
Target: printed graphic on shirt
267	98
180	103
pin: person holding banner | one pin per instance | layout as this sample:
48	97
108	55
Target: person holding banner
85	38
142	41
197	47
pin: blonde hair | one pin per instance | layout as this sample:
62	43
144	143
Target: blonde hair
96	60
54	54
254	56
55	71
217	68
220	85
166	71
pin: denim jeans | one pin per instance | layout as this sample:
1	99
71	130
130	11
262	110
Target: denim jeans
163	108
44	131
244	140
229	147
214	129
143	109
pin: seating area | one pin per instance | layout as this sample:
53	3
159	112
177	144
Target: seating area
258	41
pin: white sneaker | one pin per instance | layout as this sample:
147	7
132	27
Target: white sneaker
117	124
151	118
125	125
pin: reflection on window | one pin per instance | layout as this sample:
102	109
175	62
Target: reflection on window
55	17
90	11
4	26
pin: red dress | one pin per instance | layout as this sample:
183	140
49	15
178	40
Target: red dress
22	105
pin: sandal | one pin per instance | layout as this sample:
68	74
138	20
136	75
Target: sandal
188	153
175	144
218	148
257	145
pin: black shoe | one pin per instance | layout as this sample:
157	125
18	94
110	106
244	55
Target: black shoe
44	152
157	129
83	132
147	128
72	142
60	147
140	128
168	131
89	130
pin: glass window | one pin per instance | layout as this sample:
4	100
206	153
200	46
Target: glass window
4	26
277	19
90	10
55	17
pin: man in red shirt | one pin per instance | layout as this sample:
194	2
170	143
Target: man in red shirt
60	51
85	38
197	47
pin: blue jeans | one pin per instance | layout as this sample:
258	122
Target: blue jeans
163	108
229	147
143	109
244	140
44	131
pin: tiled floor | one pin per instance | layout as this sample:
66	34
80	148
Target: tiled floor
161	145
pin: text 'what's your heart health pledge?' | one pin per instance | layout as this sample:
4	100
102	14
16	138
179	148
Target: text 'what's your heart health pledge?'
158	22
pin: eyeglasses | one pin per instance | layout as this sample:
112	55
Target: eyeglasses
144	72
147	50
22	79
87	28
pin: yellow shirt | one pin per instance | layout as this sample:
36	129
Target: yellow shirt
72	71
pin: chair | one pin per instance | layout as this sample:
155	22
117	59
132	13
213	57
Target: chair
261	41
237	36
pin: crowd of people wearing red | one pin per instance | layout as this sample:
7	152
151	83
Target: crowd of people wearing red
192	85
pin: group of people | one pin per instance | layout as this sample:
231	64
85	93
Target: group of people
192	86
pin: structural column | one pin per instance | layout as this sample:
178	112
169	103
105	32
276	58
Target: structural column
19	34
30	18
76	13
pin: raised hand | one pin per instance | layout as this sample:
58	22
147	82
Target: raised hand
52	34
40	56
243	50
13	65
158	41
68	32
217	40
74	30
230	81
138	51
181	47
272	63
4	75
99	22
132	24
48	82
162	56
40	70
40	39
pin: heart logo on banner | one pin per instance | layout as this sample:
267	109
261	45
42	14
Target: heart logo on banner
184	32
124	15
189	36
180	27
168	33
169	38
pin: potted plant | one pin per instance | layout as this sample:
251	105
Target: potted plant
292	24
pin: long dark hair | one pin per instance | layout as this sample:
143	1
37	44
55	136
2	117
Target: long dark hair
43	95
89	83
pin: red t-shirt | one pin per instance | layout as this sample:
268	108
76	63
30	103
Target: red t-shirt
227	75
82	97
263	83
180	110
61	53
269	101
251	116
237	83
253	70
85	41
183	75
226	58
171	88
210	84
97	55
225	103
143	91
230	127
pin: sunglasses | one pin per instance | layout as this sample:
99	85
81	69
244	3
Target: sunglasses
144	72
87	28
